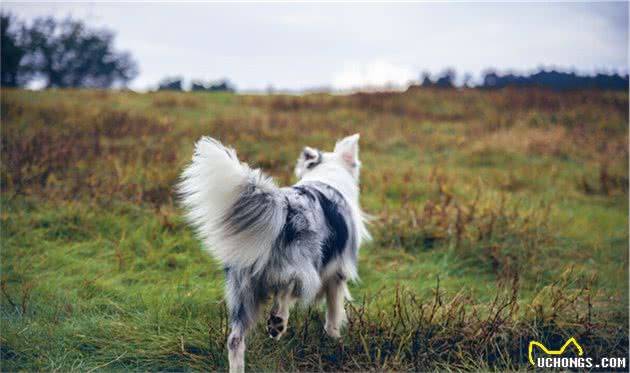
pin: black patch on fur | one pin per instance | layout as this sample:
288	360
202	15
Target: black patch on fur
305	191
289	231
312	163
250	209
234	342
238	313
335	242
341	277
297	289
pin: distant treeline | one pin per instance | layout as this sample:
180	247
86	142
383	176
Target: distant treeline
556	80
177	84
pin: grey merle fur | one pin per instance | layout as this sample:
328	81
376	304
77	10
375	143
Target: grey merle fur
318	228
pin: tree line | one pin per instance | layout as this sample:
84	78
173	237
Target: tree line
67	53
177	84
556	80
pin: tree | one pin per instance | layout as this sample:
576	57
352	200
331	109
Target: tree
198	85
13	51
171	84
222	85
446	80
67	54
426	79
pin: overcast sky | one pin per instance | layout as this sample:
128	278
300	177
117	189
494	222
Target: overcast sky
343	46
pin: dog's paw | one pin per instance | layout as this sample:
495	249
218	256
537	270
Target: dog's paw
333	331
276	326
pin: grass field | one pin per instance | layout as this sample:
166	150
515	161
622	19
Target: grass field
500	217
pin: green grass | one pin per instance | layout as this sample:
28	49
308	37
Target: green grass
499	218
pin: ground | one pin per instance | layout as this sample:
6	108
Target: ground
499	217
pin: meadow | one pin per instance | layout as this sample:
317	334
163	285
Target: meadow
499	217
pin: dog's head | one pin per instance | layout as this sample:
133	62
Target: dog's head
345	158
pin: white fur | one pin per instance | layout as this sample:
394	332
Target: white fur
340	169
209	188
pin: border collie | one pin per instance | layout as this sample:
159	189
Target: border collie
292	244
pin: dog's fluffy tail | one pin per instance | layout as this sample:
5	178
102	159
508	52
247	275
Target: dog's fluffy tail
237	211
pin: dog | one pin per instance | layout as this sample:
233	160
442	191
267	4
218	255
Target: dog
293	244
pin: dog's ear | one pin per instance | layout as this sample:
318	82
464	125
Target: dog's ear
348	149
310	154
309	159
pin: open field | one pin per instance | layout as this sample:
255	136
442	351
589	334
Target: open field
500	217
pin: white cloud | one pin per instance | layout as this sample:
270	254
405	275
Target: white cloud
374	74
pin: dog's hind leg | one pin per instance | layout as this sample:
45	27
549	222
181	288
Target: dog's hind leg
279	317
236	349
336	291
244	304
